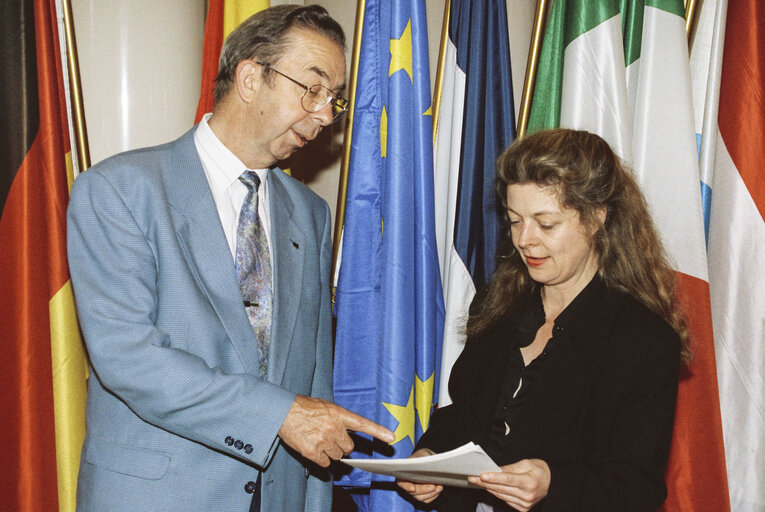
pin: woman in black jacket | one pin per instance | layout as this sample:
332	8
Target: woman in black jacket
569	375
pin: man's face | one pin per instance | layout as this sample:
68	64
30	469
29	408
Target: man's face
280	125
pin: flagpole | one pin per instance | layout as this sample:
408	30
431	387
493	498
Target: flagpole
345	164
690	15
78	110
440	70
531	66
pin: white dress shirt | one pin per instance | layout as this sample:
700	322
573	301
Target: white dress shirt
222	169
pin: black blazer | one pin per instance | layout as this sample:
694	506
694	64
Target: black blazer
600	411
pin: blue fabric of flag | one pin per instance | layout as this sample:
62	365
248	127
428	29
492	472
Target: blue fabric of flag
389	303
478	29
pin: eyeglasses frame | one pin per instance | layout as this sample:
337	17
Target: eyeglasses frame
335	99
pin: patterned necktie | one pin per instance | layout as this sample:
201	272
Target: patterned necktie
253	267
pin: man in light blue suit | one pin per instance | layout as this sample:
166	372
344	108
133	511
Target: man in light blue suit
179	415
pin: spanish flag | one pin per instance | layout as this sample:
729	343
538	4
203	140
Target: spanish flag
42	362
223	16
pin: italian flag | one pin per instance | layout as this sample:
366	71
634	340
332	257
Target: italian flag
621	69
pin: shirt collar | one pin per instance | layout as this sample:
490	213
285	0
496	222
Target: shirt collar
226	163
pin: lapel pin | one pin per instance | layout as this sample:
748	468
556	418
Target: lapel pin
295	244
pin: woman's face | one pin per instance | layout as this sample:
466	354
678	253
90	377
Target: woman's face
554	244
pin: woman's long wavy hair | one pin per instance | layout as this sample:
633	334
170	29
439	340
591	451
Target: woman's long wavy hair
587	176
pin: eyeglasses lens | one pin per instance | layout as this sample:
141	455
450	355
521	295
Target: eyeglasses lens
317	97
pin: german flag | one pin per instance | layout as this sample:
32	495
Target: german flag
42	362
223	16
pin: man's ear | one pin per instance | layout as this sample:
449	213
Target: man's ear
247	79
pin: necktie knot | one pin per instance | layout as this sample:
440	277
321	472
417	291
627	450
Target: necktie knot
250	179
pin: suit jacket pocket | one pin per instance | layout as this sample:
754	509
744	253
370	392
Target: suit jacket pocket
126	460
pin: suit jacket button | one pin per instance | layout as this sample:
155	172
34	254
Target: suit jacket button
248	449
238	444
249	487
230	441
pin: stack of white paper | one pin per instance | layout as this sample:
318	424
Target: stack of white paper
448	468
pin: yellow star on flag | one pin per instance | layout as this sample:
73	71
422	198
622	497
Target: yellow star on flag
424	399
401	52
405	417
428	112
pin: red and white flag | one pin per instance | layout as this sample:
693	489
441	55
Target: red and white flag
732	156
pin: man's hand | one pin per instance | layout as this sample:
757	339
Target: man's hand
318	429
422	492
521	485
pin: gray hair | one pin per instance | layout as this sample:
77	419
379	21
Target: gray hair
263	36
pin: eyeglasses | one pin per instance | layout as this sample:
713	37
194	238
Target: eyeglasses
316	97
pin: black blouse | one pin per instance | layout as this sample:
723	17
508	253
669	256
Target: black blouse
597	406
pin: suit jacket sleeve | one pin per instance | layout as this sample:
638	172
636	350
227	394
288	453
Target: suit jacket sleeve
454	425
114	266
319	487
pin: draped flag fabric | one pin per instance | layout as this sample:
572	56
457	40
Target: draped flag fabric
223	16
706	60
621	69
732	154
389	303
43	367
475	123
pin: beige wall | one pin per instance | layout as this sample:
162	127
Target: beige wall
141	63
140	66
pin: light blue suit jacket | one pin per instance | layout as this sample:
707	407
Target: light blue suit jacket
174	360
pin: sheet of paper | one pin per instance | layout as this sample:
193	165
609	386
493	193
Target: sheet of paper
448	468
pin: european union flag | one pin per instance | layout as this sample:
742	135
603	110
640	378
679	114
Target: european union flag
389	303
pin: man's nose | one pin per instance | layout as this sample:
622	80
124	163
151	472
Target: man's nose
324	115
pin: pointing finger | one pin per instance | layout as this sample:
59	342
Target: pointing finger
361	424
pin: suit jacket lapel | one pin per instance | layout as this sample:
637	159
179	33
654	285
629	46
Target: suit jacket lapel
203	243
288	250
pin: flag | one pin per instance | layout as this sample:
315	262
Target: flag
621	70
581	79
223	16
475	123
733	150
43	364
389	303
706	59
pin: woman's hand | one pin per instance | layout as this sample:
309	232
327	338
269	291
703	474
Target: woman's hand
421	492
521	485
